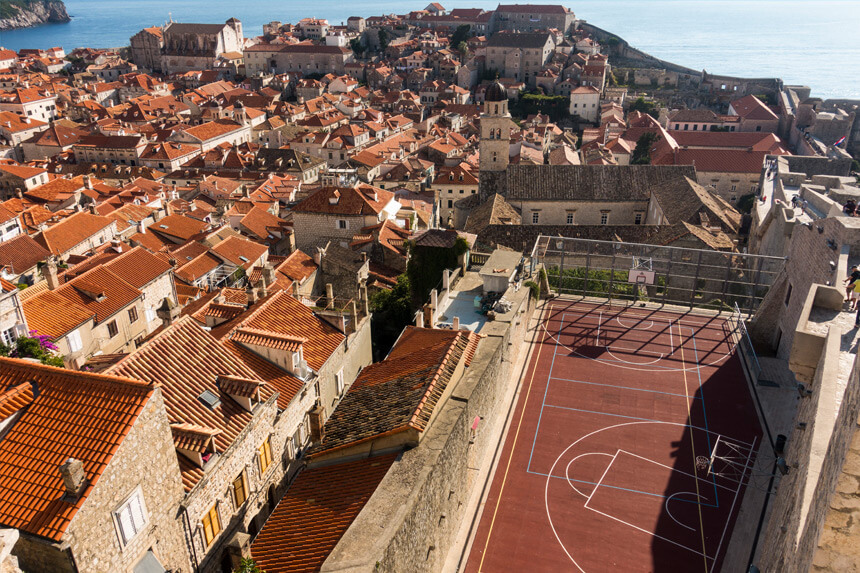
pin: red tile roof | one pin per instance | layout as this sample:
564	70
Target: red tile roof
315	513
363	200
72	231
100	291
186	360
42	315
21	253
138	267
70	414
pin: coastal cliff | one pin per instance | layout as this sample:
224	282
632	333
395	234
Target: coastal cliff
27	13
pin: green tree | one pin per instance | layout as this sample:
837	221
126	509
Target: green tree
426	265
383	39
357	46
642	153
248	565
648	107
461	34
463	48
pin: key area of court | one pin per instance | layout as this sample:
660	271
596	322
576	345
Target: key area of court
629	448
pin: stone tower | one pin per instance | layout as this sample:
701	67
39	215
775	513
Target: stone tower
495	130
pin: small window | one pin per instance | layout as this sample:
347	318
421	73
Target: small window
604	218
637	220
535	218
342	224
450	203
131	517
570	218
112	329
788	295
240	490
132	314
211	525
265	456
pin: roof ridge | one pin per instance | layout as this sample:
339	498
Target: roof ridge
442	364
19	363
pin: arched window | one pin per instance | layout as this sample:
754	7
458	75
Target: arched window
496	109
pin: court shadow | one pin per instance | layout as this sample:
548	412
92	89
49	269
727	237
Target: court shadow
701	501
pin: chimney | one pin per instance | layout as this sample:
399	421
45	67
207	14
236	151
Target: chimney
116	245
50	272
74	478
455	323
318	256
268	274
251	293
92	208
168	312
88	183
18	193
363	256
296	293
329	294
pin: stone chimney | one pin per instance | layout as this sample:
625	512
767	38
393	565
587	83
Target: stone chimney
50	272
268	274
116	245
318	256
251	292
168	312
363	256
92	208
296	294
74	478
88	182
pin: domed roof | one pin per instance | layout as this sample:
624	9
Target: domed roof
496	92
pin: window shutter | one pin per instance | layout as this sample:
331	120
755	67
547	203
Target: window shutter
138	512
125	523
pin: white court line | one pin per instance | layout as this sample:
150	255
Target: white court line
669	513
732	508
676	317
634	351
606	471
567	469
599	322
572	445
634	327
694	476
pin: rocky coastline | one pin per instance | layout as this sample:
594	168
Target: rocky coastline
33	13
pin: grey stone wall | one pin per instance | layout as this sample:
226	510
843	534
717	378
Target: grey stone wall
146	459
816	504
412	520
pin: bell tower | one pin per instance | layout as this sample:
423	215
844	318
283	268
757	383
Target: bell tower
495	140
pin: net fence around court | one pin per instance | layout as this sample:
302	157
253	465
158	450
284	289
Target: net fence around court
716	280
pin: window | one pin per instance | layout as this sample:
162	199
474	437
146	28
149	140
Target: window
131	517
112	329
132	314
788	295
240	490
450	203
535	218
570	218
686	126
7	337
734	187
338	380
211	525
637	220
342	224
265	456
604	218
758	128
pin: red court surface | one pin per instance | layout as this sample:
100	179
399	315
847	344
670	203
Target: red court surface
599	468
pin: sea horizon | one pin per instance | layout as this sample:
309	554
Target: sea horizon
813	44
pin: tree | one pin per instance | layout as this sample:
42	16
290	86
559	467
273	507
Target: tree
383	39
426	264
461	34
463	48
248	565
357	46
648	107
642	153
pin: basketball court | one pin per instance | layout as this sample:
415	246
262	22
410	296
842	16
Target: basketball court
631	444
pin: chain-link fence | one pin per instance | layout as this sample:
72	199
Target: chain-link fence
673	275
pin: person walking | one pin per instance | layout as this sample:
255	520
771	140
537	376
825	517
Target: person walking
850	280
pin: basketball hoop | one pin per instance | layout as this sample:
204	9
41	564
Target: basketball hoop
702	463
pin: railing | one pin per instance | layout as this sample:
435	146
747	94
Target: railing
745	346
478	259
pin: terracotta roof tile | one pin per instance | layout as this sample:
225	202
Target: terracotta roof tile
21	253
186	360
138	267
362	200
100	291
73	414
42	315
315	513
72	231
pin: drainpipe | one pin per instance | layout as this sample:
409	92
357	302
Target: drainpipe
195	563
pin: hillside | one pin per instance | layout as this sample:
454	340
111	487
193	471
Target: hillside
26	13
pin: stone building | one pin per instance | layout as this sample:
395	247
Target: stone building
337	213
305	58
97	494
146	48
519	56
532	17
496	126
189	47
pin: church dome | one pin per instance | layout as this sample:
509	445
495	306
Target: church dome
496	92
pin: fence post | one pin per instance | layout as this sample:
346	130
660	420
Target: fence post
587	271
561	267
668	274
695	281
612	273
